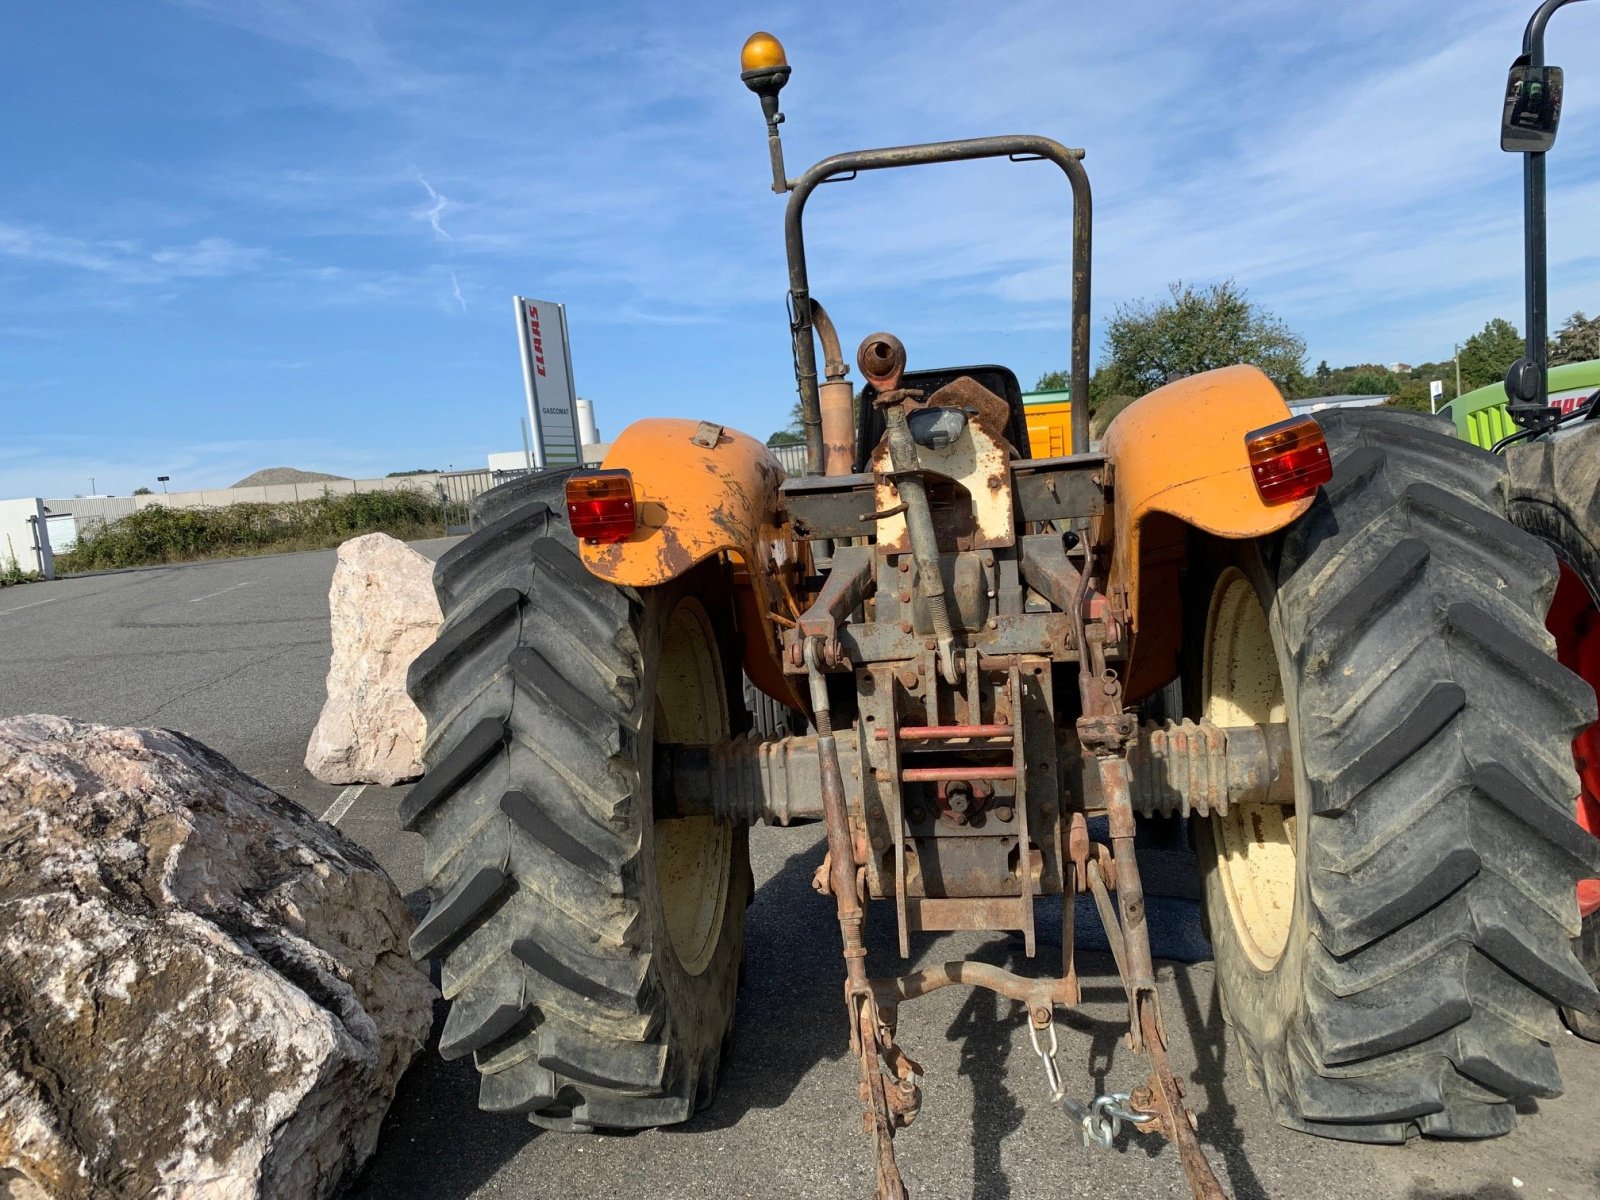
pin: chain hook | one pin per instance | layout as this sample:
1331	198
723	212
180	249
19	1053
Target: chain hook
1100	1121
1052	1074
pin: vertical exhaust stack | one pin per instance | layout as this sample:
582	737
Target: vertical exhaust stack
837	399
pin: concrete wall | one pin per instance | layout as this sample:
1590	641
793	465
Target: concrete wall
90	508
24	540
459	487
109	508
281	493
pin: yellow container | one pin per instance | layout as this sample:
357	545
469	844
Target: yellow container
1049	424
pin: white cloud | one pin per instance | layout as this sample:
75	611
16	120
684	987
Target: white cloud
1339	161
131	261
435	211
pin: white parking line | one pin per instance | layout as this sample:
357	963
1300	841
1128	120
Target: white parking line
226	589
30	604
342	805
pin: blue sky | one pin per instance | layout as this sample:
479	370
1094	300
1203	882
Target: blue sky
255	233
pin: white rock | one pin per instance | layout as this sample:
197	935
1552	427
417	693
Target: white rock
207	991
383	614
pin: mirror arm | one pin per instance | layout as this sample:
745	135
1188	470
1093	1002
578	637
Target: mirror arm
1527	382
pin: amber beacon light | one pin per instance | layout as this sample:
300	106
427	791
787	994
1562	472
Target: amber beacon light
600	506
1289	460
762	52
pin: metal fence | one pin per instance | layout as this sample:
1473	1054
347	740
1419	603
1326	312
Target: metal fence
793	458
458	489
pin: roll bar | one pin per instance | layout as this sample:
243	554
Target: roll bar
841	167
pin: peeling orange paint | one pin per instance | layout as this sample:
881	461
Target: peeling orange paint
1180	451
696	502
1177	458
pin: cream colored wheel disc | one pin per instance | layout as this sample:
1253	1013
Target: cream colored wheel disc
693	854
1255	842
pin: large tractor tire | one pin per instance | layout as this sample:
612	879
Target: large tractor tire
590	954
1554	493
1391	949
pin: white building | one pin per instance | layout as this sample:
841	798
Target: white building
25	537
1314	404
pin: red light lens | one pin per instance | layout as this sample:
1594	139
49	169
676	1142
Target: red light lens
1289	460
600	506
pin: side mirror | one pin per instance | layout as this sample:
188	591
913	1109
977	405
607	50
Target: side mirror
1532	108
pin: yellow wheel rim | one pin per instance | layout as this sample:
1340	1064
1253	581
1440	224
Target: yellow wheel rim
692	853
1255	842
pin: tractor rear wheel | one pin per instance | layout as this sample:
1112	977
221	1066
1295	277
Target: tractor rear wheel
1390	948
1554	493
590	954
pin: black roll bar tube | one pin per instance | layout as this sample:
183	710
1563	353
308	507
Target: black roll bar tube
1528	381
1017	147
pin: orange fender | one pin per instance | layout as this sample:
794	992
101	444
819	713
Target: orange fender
694	501
1178	460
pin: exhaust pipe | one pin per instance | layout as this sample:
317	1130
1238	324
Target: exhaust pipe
837	399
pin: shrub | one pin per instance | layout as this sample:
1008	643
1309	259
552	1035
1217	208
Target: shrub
159	534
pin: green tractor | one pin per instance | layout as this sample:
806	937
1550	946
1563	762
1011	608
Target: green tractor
1546	422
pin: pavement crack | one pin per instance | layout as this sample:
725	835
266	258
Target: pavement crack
215	679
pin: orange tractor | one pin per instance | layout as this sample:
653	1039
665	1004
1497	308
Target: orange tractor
959	652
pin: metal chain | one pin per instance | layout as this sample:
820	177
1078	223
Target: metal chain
1052	1076
1099	1122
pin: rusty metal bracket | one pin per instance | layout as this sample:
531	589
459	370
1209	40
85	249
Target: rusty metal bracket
707	434
850	582
1164	1101
1019	766
1040	995
867	1032
1046	569
1129	936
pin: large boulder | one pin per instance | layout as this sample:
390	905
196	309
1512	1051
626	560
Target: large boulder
384	614
205	992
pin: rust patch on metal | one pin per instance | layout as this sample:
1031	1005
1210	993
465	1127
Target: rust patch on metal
882	359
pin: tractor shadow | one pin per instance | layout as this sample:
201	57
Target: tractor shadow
1195	1026
791	999
791	1019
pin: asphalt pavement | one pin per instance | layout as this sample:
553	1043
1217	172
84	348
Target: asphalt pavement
235	654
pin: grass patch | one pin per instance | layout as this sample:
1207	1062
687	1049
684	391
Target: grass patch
158	534
11	570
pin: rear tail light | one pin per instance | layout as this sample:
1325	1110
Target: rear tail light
1289	460
600	506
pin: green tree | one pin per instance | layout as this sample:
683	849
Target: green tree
794	434
1197	329
1194	330
1487	354
1413	395
141	491
1371	382
1053	381
1578	340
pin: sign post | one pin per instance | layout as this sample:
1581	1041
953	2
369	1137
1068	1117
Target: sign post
1435	393
547	378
